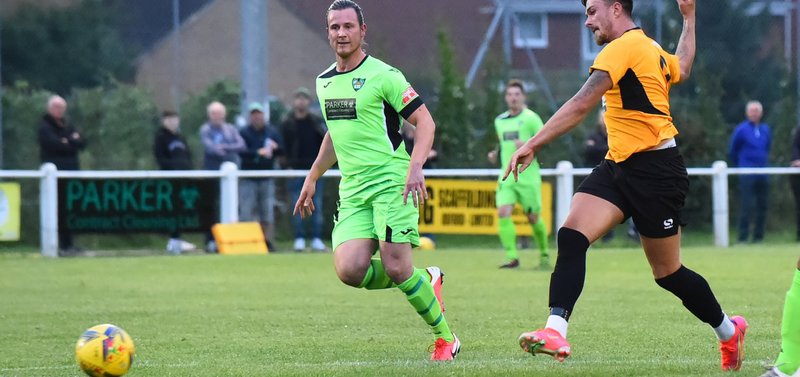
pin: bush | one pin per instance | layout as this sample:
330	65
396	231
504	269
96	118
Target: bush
118	122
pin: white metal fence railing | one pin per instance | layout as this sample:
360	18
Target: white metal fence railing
564	174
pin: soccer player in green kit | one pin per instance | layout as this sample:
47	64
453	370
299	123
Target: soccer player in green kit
788	362
513	126
364	101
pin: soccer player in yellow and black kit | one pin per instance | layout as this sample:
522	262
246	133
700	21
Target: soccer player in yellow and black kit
643	175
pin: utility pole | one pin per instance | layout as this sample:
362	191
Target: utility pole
659	20
2	162
797	56
176	56
255	62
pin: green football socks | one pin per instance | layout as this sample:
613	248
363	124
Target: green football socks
540	233
789	359
508	237
419	292
376	277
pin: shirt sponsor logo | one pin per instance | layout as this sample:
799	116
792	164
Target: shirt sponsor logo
358	83
409	95
340	109
510	135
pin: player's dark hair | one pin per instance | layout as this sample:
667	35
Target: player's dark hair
516	83
168	113
627	5
346	4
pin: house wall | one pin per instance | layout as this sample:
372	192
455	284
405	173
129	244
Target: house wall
210	51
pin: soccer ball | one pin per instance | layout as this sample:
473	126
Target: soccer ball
426	243
105	350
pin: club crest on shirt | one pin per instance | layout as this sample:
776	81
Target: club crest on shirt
358	83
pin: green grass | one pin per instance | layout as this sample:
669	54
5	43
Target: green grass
287	314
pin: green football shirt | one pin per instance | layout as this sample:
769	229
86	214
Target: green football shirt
518	127
364	109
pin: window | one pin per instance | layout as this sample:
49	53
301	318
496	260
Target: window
530	30
589	48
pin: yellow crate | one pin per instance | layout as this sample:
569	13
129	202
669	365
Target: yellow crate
240	238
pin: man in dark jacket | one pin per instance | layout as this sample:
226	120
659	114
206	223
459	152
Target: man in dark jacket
59	143
302	134
596	145
257	195
171	150
172	153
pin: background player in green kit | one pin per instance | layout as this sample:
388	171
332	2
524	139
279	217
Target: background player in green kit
364	101
513	126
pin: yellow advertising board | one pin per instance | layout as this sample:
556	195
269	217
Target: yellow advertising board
456	206
9	211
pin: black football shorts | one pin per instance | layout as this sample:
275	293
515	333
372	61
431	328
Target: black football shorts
649	186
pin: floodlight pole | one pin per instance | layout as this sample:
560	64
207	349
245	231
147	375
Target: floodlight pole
797	55
659	20
254	64
176	55
1	96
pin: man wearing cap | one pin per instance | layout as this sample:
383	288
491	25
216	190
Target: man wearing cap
303	133
257	195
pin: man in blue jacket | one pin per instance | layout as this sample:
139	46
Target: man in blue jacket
749	148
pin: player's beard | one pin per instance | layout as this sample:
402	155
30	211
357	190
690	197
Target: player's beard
600	38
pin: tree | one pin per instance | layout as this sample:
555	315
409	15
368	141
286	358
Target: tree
118	121
455	136
61	48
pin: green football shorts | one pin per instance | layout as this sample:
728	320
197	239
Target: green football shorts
382	216
527	193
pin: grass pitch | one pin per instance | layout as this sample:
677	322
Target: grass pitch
287	314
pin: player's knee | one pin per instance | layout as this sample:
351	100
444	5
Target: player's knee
398	272
504	211
571	244
352	273
665	268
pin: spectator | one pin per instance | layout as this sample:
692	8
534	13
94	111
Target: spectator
303	133
59	143
596	145
221	140
172	153
795	178
749	148
257	195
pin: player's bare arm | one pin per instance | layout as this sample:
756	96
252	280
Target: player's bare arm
423	142
325	159
564	120
686	43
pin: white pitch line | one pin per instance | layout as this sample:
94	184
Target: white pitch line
468	362
74	366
